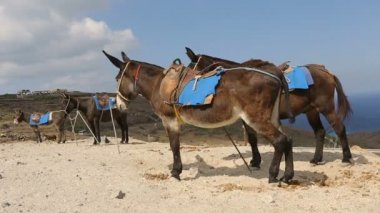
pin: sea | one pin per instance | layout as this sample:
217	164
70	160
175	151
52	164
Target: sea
365	117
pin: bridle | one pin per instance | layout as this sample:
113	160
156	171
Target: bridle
137	77
196	64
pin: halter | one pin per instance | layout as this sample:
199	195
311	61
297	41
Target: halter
137	77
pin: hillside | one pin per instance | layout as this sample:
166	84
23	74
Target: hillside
145	125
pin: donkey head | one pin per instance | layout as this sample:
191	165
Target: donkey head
125	79
68	103
18	117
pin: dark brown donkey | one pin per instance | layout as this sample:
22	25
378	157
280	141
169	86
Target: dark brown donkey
57	119
87	106
241	94
318	99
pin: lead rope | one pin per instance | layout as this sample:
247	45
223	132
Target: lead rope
96	139
114	129
232	141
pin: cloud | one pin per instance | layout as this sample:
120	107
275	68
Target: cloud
49	44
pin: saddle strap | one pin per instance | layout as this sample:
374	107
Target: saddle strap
175	93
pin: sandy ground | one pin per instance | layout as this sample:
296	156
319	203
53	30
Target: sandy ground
79	177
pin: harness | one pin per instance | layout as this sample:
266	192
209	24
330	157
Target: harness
256	70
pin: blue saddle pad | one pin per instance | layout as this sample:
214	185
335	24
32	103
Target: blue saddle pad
200	91
299	78
111	103
44	119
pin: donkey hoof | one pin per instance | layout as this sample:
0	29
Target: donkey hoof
348	161
287	179
255	168
176	176
273	180
316	163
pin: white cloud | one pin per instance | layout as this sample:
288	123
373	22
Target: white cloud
48	44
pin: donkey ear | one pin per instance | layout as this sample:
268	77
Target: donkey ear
124	57
116	62
191	55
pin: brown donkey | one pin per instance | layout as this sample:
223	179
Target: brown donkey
318	99
241	94
87	106
57	119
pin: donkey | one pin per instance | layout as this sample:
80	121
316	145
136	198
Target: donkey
318	99
57	119
87	106
241	94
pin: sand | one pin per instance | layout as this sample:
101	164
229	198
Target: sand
80	177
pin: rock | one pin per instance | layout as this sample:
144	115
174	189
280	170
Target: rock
5	204
193	172
151	138
121	195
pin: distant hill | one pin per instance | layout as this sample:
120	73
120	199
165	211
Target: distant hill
144	123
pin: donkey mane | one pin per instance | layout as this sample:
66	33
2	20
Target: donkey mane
220	59
257	63
148	64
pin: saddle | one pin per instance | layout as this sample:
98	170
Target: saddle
104	100
36	117
176	78
285	67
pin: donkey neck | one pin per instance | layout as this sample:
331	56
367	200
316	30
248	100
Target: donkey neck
25	117
83	105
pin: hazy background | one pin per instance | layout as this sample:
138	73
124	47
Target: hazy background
48	44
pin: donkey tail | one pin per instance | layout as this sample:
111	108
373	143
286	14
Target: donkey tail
284	85
344	107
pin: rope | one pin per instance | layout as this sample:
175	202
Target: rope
88	126
255	70
232	141
177	114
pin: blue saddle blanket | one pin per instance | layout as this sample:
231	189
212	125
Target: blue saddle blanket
44	119
299	78
111	103
200	91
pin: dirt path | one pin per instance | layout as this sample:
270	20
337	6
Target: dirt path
80	177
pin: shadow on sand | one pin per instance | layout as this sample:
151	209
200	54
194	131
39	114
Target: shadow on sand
302	177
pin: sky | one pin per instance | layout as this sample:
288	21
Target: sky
49	44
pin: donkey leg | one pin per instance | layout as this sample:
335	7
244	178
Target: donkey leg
62	133
59	135
120	125
281	145
37	134
319	132
125	130
92	128
340	130
252	140
97	129
173	133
